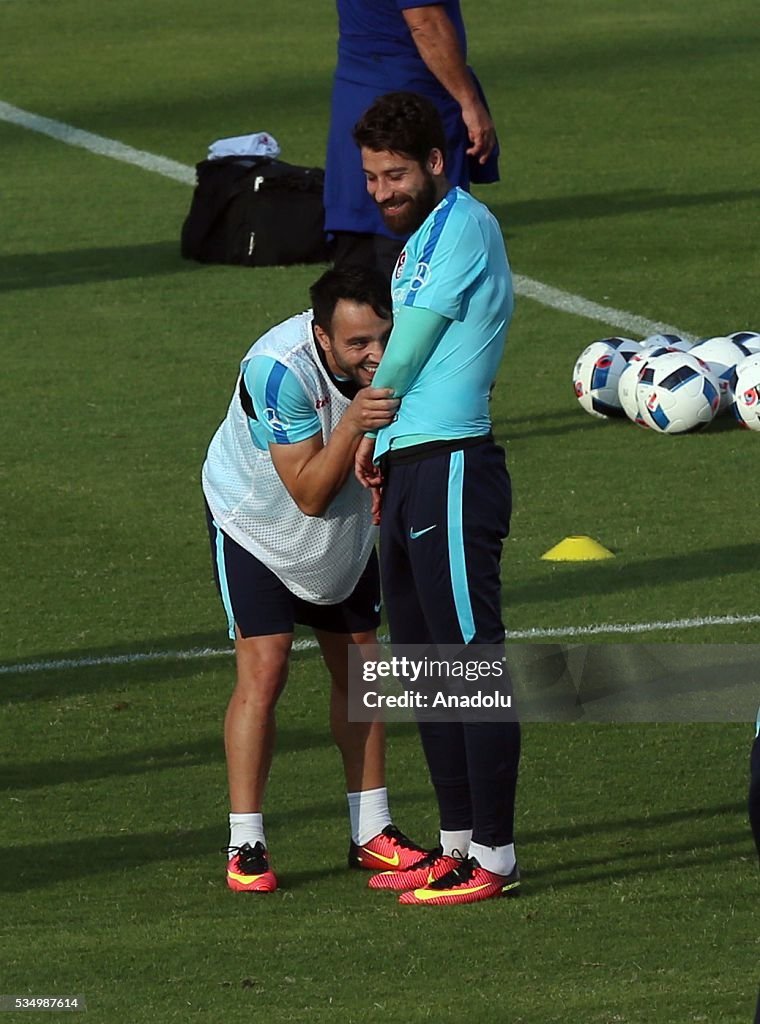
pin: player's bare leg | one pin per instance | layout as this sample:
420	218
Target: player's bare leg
249	736
361	744
376	844
249	725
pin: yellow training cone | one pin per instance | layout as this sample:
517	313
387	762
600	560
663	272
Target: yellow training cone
577	549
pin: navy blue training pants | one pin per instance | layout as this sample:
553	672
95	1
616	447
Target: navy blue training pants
445	515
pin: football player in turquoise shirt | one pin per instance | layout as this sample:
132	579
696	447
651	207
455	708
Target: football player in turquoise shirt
446	497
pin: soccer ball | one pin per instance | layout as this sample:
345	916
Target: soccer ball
747	339
596	374
666	341
721	355
629	378
627	389
747	392
677	393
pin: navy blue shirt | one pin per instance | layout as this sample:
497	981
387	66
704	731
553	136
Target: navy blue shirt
376	55
374	31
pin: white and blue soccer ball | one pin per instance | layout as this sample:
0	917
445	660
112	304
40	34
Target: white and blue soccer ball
746	405
750	340
677	393
627	392
721	354
597	372
627	389
667	341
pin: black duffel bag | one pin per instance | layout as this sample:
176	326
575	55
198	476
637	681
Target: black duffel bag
257	212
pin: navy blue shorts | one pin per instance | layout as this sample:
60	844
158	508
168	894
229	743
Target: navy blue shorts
259	603
445	515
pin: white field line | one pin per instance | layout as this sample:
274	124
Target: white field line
578	306
97	144
558	633
544	294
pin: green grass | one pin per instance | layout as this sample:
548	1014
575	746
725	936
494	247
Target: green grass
639	899
630	173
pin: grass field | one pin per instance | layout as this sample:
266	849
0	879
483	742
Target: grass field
630	178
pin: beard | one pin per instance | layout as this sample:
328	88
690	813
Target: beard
413	211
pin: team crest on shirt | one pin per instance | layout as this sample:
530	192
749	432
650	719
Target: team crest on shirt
275	421
400	264
421	277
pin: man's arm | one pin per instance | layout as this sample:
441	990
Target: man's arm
438	45
416	332
313	473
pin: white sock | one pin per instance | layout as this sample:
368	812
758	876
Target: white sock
369	814
247	828
456	842
499	859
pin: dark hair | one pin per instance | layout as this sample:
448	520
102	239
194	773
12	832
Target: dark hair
401	122
357	283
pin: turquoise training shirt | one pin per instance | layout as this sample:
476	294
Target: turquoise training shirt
454	265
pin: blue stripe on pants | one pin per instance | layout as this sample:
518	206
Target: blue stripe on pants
457	563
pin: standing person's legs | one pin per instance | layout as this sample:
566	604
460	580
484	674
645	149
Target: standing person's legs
445	751
249	738
443	746
375	840
493	757
406	526
376	843
754	788
451	522
249	724
493	747
260	620
361	744
366	250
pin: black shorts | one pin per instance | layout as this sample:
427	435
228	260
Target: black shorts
446	511
259	603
